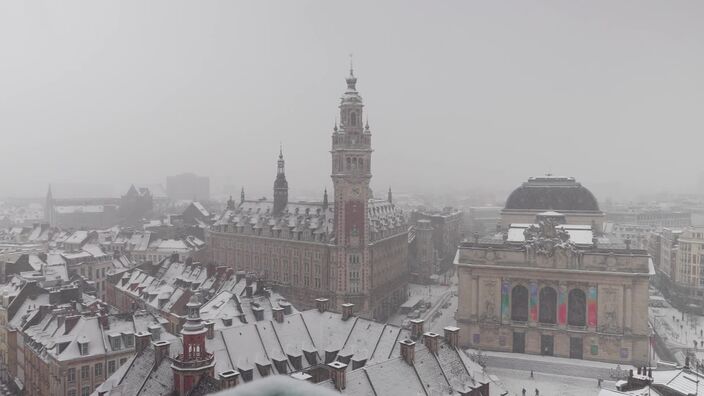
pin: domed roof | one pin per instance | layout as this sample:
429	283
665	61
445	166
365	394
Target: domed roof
552	193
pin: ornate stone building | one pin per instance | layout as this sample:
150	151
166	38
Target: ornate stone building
555	289
351	250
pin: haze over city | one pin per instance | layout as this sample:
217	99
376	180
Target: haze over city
460	96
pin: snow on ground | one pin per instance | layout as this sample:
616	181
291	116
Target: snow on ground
548	384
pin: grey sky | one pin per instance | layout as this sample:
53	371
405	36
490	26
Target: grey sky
459	94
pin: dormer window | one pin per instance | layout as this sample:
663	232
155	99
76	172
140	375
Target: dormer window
115	343
129	340
83	348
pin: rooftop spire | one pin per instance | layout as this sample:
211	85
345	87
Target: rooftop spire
351	80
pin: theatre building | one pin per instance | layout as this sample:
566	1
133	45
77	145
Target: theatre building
551	288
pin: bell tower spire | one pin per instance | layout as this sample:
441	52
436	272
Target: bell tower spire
280	185
351	174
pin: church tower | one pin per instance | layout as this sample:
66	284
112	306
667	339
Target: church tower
280	186
49	207
351	174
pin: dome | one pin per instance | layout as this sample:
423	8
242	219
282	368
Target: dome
552	193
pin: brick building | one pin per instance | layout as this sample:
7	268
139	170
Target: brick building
353	249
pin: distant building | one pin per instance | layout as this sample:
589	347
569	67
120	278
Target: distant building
482	220
98	213
688	285
445	232
552	193
653	217
353	249
136	206
188	186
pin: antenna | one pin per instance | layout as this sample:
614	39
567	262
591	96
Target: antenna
351	65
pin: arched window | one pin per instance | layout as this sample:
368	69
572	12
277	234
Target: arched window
349	163
353	118
361	164
354	163
519	303
576	308
547	312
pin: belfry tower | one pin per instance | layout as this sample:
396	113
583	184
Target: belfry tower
351	174
195	362
280	186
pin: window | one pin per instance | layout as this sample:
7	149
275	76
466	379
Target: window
547	312
98	369
115	343
122	361
85	391
85	372
576	308
519	303
83	348
71	392
129	341
111	367
71	375
353	119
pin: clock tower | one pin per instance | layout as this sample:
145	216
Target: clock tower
351	174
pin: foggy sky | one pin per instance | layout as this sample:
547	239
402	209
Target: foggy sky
460	95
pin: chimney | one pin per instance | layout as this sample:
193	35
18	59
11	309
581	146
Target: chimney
239	275
209	270
347	310
408	350
104	321
229	379
249	279
161	352
278	314
210	325
416	328
338	371
452	336
142	339
258	313
155	331
321	304
248	290
430	340
286	306
69	322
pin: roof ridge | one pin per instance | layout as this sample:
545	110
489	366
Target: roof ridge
256	327
371	385
435	359
232	364
356	319
371	356
312	341
273	328
413	366
395	342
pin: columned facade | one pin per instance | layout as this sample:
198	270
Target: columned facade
578	302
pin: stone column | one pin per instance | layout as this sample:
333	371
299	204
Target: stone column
628	308
475	297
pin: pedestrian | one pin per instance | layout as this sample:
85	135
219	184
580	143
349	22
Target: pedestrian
537	392
599	382
523	393
531	373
